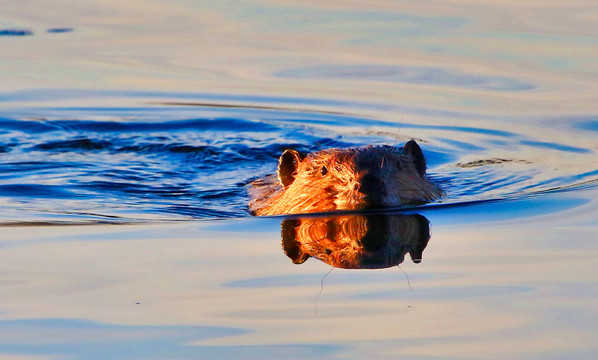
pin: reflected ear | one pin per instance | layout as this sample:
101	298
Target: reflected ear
287	166
289	241
413	150
417	251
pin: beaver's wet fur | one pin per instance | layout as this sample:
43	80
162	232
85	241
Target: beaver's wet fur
344	179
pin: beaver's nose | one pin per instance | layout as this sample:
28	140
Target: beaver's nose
371	186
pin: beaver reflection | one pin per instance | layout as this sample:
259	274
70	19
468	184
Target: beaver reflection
356	241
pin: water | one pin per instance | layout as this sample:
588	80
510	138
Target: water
156	117
179	160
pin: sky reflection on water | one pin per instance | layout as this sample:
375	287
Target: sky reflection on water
415	75
167	286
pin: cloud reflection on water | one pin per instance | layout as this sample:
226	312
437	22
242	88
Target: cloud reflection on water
408	74
85	340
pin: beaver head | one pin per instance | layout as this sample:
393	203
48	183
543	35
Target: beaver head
346	179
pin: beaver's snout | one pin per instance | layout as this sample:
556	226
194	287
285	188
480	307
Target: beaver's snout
373	188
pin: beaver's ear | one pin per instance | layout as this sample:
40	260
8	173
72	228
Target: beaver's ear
287	166
290	245
413	150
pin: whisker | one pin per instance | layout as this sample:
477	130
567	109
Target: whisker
313	136
407	276
399	131
321	291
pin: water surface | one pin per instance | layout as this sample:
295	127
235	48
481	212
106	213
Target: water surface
129	132
159	159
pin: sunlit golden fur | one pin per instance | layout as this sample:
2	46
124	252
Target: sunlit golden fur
344	179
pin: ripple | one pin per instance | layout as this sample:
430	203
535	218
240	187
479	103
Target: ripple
60	30
130	162
408	74
449	293
15	32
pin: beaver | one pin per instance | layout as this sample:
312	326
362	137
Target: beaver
356	241
344	179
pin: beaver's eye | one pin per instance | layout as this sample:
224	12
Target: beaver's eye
328	251
324	170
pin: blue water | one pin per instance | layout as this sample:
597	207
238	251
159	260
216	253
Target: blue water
176	161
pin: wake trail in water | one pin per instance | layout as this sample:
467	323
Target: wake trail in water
78	165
